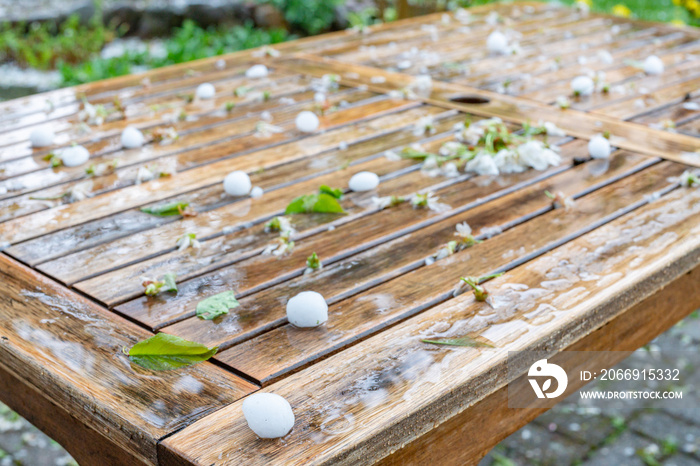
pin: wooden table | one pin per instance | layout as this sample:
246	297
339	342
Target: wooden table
612	273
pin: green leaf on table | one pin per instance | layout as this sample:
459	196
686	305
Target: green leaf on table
459	341
315	203
336	193
411	153
164	352
214	306
327	203
166	210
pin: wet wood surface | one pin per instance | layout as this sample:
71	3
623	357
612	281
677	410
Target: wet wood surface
363	387
70	351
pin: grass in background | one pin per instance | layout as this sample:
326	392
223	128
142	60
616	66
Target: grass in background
44	45
190	42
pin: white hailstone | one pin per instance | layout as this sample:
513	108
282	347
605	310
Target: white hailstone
653	65
320	98
237	183
42	137
74	156
256	192
132	138
256	71
599	147
363	181
582	85
606	57
268	415
497	42
404	64
307	309
307	122
205	91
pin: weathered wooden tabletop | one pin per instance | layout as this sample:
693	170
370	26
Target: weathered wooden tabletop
610	273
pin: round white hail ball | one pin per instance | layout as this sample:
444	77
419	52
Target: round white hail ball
42	137
653	65
599	147
132	138
74	156
497	42
256	71
363	181
583	85
307	122
205	91
307	309
256	192
237	183
268	415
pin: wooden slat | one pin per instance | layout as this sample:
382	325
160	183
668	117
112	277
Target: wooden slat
190	147
193	150
657	98
108	228
68	215
629	136
263	358
371	268
435	30
397	388
460	41
69	350
257	271
159	110
553	58
128	96
398	177
672	51
261	209
469	46
235	214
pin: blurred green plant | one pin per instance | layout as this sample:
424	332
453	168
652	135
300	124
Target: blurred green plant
307	16
190	42
44	45
693	7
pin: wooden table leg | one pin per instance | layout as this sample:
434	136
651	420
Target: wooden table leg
86	445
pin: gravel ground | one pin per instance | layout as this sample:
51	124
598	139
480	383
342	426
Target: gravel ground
566	435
